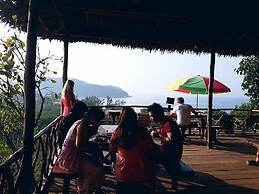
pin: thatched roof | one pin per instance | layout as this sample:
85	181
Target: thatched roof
229	28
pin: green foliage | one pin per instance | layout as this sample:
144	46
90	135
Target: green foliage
51	109
218	113
118	102
47	117
93	101
12	66
242	112
249	68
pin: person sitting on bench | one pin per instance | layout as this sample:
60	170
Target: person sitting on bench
72	155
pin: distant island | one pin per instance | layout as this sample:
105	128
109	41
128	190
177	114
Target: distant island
83	89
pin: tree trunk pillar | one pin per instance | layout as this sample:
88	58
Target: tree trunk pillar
65	63
210	131
26	173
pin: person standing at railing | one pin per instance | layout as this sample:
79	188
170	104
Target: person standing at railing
182	112
77	112
67	97
134	168
171	149
76	146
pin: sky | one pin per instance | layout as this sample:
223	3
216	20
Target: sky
142	72
138	71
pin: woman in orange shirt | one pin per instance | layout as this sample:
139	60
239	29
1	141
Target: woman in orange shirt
67	97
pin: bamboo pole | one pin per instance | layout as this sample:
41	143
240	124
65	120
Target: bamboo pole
26	173
210	99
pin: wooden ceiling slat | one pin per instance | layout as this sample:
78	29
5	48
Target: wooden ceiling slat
59	17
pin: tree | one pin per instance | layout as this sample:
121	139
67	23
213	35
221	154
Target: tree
12	60
249	68
93	101
118	102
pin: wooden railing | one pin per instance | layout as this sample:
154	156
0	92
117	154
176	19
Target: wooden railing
44	153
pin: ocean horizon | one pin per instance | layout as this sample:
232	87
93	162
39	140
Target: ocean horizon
218	101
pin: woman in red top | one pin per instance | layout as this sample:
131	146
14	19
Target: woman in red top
135	171
67	98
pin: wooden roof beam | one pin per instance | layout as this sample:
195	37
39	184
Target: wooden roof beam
133	14
43	25
156	28
79	36
60	18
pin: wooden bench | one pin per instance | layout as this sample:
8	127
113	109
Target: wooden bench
62	173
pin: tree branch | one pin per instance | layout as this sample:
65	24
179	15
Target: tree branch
7	139
41	106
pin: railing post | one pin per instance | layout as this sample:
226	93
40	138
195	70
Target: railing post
26	173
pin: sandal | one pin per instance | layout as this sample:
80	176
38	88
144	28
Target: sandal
252	162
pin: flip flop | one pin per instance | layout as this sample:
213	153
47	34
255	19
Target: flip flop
252	162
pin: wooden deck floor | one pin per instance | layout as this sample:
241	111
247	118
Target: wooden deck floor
221	170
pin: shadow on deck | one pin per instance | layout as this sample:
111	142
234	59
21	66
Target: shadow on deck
221	170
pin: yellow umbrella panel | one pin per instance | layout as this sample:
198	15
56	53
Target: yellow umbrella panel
176	86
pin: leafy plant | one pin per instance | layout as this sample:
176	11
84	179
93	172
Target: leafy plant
93	101
12	66
249	68
110	102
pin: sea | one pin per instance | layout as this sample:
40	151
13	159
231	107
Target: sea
219	102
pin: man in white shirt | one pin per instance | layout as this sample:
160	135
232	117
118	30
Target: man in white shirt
183	114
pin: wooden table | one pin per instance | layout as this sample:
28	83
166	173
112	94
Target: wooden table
103	136
106	129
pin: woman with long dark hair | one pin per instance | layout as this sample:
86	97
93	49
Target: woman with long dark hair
134	169
171	149
76	144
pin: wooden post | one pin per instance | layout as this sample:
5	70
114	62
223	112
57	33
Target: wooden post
26	173
65	63
210	98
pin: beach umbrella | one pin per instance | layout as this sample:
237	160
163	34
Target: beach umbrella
197	85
